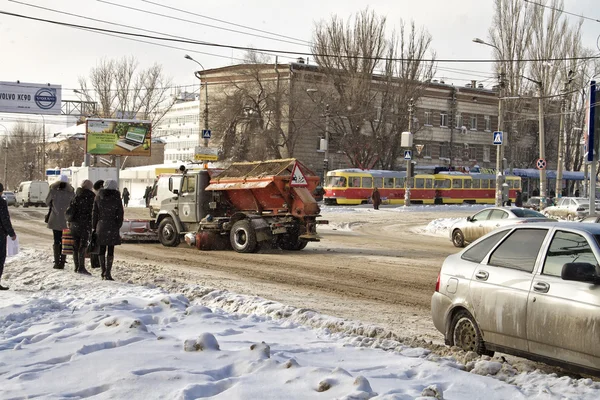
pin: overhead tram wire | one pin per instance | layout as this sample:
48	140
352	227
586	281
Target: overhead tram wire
227	22
197	23
219	45
562	11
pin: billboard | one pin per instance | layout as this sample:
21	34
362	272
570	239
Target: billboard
118	137
30	98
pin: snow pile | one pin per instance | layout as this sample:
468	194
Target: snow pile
438	227
63	335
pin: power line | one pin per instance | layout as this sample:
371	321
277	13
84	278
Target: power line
279	51
561	10
197	23
226	22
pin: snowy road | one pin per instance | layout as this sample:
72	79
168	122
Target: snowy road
370	266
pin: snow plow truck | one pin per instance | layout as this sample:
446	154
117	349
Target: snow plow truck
244	207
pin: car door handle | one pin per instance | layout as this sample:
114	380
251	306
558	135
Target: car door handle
541	287
497	225
482	275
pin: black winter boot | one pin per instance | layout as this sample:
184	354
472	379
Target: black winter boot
81	263
57	251
63	260
109	264
76	261
102	260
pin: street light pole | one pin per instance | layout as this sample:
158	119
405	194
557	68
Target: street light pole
562	136
188	57
43	145
499	147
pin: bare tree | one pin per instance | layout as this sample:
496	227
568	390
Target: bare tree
24	154
348	55
123	90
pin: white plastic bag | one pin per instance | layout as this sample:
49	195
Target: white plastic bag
12	246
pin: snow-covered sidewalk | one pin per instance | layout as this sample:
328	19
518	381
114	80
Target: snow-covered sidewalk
67	336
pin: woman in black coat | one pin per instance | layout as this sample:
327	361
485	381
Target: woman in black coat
107	221
80	219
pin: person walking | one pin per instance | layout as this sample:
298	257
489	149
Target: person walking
148	195
80	223
519	199
59	197
126	196
107	221
376	198
6	230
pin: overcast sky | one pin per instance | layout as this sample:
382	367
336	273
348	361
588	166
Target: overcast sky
39	52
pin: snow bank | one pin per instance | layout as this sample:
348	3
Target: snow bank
63	335
437	227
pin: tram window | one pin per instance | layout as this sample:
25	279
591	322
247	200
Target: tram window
378	182
399	182
492	183
456	183
429	183
485	184
442	183
354	181
467	184
336	181
517	184
388	183
476	183
419	183
367	182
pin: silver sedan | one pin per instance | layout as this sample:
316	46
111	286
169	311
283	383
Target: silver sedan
485	221
531	290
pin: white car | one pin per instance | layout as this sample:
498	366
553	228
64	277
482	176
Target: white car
485	221
570	208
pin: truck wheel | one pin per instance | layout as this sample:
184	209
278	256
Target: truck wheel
243	237
291	242
167	233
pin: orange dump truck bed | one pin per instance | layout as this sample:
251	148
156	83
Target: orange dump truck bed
276	187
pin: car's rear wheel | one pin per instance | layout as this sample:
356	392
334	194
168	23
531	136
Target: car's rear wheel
458	238
465	333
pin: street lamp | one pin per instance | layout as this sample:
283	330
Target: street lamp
188	57
542	140
326	158
499	147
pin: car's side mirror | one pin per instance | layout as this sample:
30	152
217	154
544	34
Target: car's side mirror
470	219
175	191
580	272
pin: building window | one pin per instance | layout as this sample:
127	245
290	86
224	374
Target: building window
459	120
473	126
444	119
486	153
428	117
488	123
426	152
444	150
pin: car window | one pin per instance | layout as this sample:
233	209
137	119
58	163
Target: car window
519	250
482	215
477	252
498	214
526	213
567	247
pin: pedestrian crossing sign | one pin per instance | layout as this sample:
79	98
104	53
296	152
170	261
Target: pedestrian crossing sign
498	136
407	155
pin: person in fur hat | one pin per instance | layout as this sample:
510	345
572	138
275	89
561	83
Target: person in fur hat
59	197
107	221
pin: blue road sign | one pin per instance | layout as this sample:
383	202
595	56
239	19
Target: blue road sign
498	136
206	133
407	154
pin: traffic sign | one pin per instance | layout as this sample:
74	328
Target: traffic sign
498	136
206	133
540	163
298	178
407	154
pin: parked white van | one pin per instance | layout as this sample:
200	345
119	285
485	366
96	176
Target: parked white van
32	193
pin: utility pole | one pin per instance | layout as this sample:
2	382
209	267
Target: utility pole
562	136
408	162
542	146
326	159
500	147
43	146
